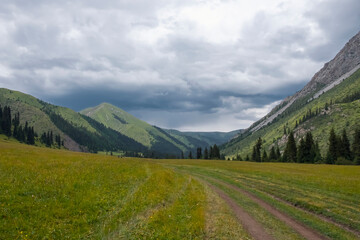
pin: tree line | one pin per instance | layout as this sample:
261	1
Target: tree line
11	127
307	151
212	153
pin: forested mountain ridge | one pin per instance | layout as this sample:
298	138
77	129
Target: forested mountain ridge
329	100
106	128
78	132
167	141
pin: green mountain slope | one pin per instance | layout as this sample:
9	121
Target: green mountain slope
156	139
121	121
80	133
339	108
150	136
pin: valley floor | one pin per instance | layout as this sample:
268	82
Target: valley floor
56	194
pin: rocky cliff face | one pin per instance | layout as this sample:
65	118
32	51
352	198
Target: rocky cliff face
342	66
345	61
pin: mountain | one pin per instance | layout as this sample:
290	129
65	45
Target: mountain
79	133
171	142
210	138
329	100
104	128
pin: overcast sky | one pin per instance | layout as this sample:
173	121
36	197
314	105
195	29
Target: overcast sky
199	65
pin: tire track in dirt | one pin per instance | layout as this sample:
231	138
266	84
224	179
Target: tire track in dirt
303	230
320	216
255	229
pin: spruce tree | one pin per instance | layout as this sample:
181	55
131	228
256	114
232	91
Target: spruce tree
318	157
290	149
206	153
30	139
302	152
345	146
310	151
6	121
253	154
216	152
356	146
21	134
238	157
272	156
256	155
198	153
264	157
190	155
332	154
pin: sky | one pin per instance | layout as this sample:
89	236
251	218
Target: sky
192	65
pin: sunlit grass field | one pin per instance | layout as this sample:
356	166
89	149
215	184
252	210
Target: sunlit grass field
57	194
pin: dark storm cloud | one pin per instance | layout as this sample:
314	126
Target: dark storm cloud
194	65
339	21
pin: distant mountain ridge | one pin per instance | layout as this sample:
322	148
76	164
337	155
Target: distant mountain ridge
155	138
105	128
79	132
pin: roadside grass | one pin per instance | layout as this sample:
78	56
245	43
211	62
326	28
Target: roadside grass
221	223
330	191
272	225
57	194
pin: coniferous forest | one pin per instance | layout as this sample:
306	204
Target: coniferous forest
11	127
307	150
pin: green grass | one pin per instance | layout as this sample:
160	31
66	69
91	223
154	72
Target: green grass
57	194
326	190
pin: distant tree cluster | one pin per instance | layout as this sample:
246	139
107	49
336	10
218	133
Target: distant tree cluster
339	151
48	139
11	127
307	151
351	98
212	153
309	114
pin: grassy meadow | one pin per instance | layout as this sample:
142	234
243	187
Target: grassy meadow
307	192
57	194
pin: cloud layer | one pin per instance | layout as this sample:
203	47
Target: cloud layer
190	65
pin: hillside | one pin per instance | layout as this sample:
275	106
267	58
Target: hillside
156	139
105	128
336	85
79	132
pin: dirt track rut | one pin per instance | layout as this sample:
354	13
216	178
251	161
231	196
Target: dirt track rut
254	228
303	230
